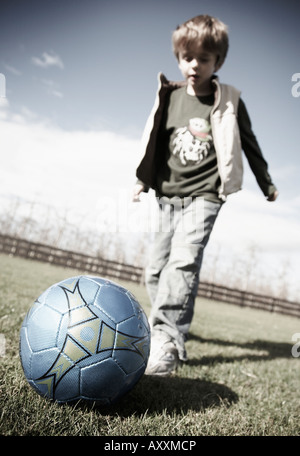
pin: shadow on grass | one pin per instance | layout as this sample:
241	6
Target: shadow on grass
176	394
266	350
156	395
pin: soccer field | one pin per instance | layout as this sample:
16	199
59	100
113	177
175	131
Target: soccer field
241	377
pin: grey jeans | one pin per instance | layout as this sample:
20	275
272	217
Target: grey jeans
172	276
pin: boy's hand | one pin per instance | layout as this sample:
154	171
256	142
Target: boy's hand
273	196
137	190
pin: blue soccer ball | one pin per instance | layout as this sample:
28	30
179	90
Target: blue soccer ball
85	338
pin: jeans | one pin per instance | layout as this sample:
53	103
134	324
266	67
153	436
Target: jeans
172	276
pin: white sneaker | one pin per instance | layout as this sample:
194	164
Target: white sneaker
163	358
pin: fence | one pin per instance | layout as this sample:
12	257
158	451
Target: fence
114	270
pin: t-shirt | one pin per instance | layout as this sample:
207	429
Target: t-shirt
188	165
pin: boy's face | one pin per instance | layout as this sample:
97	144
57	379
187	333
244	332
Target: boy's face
197	66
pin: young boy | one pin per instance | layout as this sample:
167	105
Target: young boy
193	141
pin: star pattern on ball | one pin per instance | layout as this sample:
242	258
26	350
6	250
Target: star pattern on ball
86	335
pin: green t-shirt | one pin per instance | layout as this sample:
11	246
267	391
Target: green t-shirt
188	165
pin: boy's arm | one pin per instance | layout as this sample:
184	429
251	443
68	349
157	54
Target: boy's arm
254	155
138	189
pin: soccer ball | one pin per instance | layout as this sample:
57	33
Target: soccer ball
85	338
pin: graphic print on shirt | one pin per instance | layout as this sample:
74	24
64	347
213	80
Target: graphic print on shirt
192	143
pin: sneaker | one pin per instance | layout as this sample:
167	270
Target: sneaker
163	359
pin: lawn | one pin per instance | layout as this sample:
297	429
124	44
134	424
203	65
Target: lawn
241	378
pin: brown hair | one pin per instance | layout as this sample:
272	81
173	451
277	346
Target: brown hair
208	31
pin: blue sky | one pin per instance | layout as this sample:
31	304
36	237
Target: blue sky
81	76
110	52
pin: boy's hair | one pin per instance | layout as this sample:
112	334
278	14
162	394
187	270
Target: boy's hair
207	31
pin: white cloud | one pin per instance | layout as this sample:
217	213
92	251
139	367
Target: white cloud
47	60
53	88
13	70
247	218
57	93
59	167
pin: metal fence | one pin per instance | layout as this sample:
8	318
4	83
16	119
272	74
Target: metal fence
115	270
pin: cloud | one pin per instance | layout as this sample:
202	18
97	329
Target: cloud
248	219
13	70
42	162
48	60
57	93
53	88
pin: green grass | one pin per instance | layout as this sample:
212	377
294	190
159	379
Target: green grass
241	378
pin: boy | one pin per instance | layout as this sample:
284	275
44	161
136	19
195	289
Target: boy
193	142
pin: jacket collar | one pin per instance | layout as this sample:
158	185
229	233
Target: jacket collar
165	85
164	82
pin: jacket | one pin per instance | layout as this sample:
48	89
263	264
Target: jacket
226	137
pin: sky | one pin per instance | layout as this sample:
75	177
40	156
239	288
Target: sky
80	80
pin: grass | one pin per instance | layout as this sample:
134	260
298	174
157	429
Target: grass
241	379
